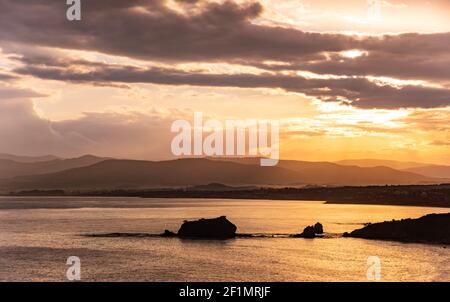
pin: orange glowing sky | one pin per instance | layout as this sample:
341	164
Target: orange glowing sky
344	85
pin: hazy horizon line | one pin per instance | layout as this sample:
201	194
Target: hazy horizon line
137	158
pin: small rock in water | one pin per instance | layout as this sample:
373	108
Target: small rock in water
311	231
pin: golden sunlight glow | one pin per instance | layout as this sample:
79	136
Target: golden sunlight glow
312	129
352	54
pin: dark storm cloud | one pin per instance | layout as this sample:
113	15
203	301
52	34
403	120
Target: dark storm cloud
151	30
405	66
358	91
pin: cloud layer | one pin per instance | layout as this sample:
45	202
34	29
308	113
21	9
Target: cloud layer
130	44
202	31
23	131
357	91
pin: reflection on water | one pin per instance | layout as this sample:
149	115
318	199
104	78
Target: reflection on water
38	234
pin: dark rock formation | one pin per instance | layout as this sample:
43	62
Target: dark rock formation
308	232
318	228
168	233
216	228
311	231
433	228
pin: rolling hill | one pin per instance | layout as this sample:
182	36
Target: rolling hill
370	163
27	159
10	168
336	174
114	174
432	171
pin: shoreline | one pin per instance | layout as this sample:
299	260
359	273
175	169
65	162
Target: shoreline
397	195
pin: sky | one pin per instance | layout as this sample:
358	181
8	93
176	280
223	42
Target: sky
346	80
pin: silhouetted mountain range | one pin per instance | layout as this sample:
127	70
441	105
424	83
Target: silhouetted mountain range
432	171
10	168
429	170
90	172
27	159
369	163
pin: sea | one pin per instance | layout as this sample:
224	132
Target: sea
39	234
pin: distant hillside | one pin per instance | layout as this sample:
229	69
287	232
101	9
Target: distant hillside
367	163
27	159
142	174
219	188
335	174
432	171
115	174
10	168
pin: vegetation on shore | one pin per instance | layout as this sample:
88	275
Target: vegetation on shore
408	195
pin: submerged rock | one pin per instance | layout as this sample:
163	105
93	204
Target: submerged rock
433	228
216	228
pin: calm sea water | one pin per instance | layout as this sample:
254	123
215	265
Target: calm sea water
38	234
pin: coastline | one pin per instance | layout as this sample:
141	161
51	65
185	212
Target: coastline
399	195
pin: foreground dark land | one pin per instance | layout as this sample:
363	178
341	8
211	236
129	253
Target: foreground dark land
433	228
408	195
